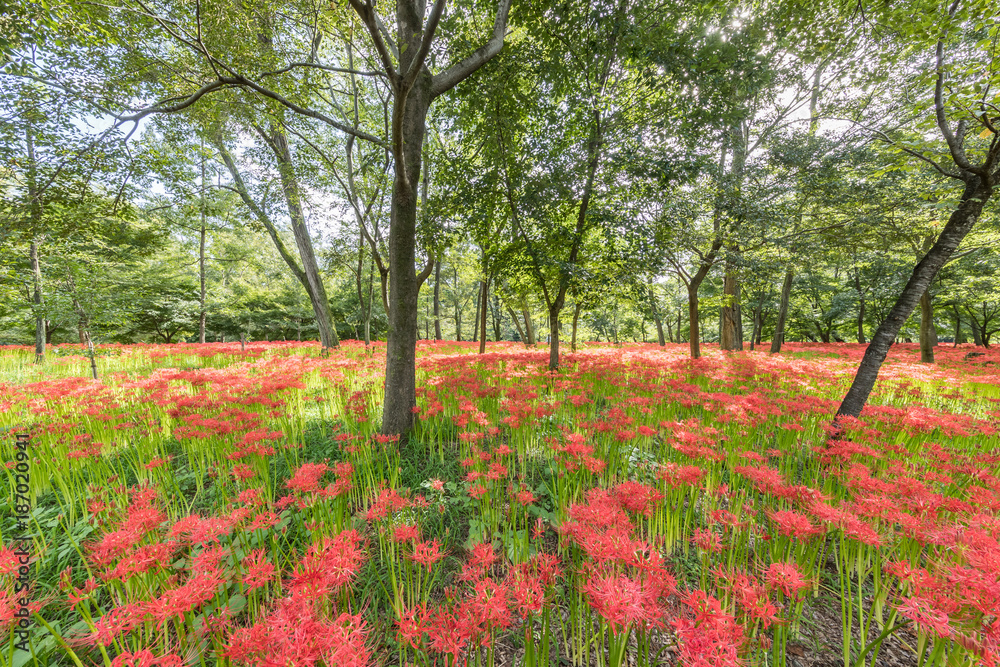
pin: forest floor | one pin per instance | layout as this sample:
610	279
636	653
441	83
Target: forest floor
213	505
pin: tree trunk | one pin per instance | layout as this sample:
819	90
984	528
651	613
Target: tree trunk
959	223
577	307
529	329
458	323
475	321
959	338
694	336
554	338
977	333
483	305
729	338
517	323
756	322
201	257
779	328
36	272
437	300
656	317
293	199
495	313
928	332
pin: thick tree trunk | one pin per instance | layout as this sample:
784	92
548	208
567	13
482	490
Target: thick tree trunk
959	223
959	338
458	323
928	332
554	338
694	335
437	300
656	317
293	199
401	346
779	328
977	334
483	305
729	338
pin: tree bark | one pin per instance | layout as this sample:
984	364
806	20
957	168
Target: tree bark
517	323
554	338
475	321
928	332
437	300
977	333
529	328
293	199
483	305
577	307
962	220
36	272
656	317
694	335
35	211
495	313
202	315
779	328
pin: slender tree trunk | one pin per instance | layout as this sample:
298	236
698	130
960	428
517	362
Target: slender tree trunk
756	322
437	300
495	314
730	312
483	305
36	272
958	327
656	317
670	330
291	189
517	324
928	332
529	328
475	326
35	210
779	328
577	307
202	315
959	223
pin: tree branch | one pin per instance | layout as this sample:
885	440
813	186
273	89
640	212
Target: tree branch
452	76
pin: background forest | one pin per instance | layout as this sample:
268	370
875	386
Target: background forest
182	172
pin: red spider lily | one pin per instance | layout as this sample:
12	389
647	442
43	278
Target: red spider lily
624	602
328	566
786	578
925	616
406	533
426	553
306	478
707	541
259	570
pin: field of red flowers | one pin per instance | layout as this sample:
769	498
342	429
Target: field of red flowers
208	505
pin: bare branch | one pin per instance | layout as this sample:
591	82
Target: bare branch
425	45
366	12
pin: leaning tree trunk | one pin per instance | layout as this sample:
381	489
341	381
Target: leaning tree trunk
475	321
928	332
517	323
959	223
293	199
529	328
656	318
779	328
